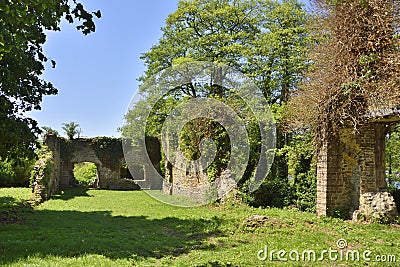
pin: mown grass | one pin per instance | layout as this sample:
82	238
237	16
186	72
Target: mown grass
121	228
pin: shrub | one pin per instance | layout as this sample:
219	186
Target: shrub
15	172
6	174
396	195
85	173
306	191
272	193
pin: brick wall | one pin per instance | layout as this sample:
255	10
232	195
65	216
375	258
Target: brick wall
350	165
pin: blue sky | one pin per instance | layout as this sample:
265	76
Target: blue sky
97	74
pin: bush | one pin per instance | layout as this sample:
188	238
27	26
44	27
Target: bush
396	195
85	173
15	172
6	174
272	193
305	195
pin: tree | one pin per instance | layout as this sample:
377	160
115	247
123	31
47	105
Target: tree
22	61
266	40
48	130
72	129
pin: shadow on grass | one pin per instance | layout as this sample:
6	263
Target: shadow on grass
74	233
7	201
71	193
13	210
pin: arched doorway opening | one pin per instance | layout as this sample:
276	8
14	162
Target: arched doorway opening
86	174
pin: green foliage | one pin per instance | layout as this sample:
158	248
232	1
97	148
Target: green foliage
23	26
392	151
392	158
300	189
14	205
303	169
6	173
15	172
197	130
44	166
48	130
85	173
272	193
305	191
43	176
71	129
342	213
265	40
395	192
278	193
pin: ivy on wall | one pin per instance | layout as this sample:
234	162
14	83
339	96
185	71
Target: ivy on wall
43	176
107	149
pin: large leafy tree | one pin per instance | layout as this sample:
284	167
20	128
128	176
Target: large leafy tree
23	26
264	39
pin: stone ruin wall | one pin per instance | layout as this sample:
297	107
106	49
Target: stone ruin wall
106	153
351	174
185	181
192	181
46	174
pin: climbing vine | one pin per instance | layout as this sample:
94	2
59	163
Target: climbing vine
42	176
356	65
108	150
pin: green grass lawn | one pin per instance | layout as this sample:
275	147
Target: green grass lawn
121	228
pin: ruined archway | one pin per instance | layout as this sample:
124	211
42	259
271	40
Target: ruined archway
105	152
351	170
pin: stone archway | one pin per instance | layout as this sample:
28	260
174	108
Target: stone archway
106	153
87	174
